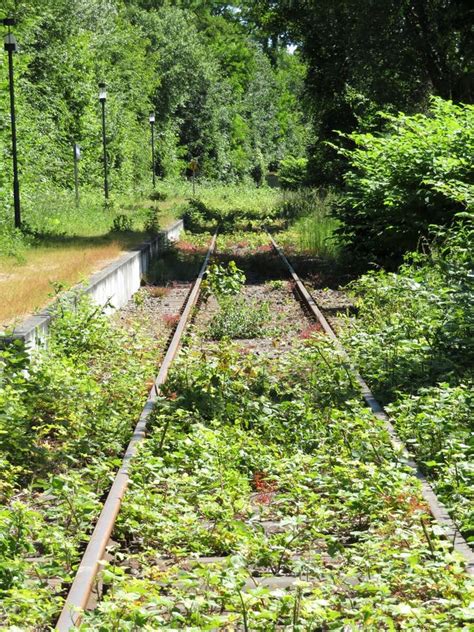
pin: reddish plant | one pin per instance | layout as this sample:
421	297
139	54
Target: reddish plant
310	330
171	319
266	488
186	246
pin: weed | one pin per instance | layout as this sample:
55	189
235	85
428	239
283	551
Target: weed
171	320
139	298
239	318
157	291
275	284
222	281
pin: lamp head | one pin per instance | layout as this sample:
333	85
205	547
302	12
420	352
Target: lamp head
152	117
11	45
102	92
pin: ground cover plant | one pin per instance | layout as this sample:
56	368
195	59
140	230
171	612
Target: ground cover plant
412	340
235	443
239	441
65	416
238	316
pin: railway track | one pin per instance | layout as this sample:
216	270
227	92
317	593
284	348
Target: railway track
254	547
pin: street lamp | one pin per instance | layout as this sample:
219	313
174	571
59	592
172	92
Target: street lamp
103	99
11	46
152	125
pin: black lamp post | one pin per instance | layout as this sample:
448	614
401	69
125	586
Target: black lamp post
11	47
103	99
152	125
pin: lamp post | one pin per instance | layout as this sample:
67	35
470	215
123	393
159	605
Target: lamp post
11	47
152	125
103	99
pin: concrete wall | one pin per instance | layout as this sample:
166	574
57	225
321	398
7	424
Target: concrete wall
115	284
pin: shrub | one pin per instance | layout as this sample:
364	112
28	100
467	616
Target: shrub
152	222
158	196
122	224
293	172
418	173
413	342
223	281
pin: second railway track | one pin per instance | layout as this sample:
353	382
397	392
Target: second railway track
262	487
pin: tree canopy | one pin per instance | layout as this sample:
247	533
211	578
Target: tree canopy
217	94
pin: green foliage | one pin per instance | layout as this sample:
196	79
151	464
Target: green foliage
418	173
223	281
231	208
377	55
239	318
237	444
310	213
292	172
152	221
436	424
122	223
413	341
65	416
215	94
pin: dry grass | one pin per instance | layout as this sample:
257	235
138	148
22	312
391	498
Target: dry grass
157	291
26	287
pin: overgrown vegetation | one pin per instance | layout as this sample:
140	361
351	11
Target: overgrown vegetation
285	443
238	317
416	174
65	416
379	55
231	209
413	340
312	224
286	94
217	96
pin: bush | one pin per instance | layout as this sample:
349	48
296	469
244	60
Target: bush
415	175
122	224
152	222
239	318
293	172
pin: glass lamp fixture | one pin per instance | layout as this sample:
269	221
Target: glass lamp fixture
102	92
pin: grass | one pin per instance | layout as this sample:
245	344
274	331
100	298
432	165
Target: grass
67	244
312	228
314	234
29	285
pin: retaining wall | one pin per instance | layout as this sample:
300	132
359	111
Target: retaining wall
115	284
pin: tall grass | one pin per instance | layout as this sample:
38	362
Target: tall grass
312	224
315	234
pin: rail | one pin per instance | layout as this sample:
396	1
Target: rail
438	510
89	566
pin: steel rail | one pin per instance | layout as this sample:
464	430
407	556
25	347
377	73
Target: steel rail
437	508
88	569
